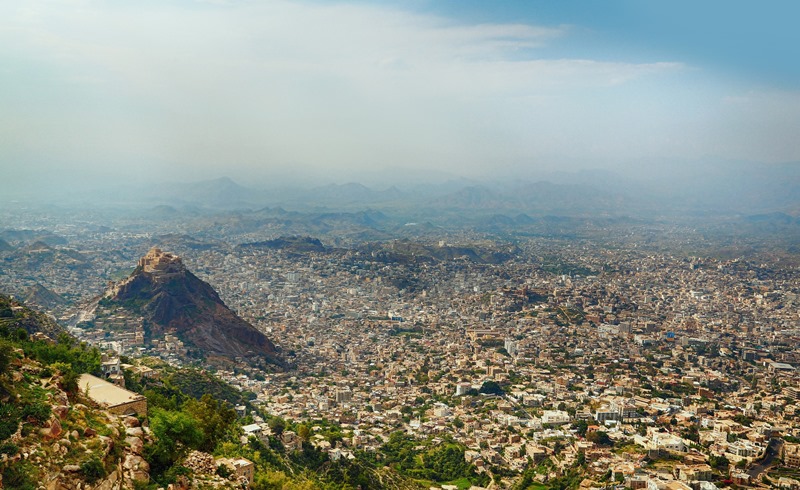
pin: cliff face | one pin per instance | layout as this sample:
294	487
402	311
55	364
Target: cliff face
171	298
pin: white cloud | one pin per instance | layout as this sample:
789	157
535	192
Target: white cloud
344	85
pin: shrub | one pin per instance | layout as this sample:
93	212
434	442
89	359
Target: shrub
37	412
19	476
9	448
93	470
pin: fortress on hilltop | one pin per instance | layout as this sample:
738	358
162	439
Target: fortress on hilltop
160	263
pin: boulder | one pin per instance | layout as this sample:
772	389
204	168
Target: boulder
61	411
53	429
131	421
201	463
89	432
114	430
134	462
108	444
134	431
109	482
136	444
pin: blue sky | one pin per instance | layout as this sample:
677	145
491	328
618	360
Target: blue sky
337	90
757	41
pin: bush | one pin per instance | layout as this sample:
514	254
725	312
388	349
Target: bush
19	476
9	420
5	356
9	448
93	470
223	471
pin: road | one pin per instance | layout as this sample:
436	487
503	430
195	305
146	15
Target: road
773	450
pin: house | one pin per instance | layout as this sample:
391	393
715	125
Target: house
111	397
555	417
241	467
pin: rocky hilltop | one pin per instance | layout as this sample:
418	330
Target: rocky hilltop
172	300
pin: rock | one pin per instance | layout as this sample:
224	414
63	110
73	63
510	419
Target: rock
202	463
135	463
181	484
89	432
114	430
131	422
74	435
59	397
65	442
134	431
61	411
108	443
53	430
109	482
71	468
139	475
136	444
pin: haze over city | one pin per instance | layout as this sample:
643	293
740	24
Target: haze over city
384	245
321	92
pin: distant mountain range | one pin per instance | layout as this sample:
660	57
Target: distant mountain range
713	188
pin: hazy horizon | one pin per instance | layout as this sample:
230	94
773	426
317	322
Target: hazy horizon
333	91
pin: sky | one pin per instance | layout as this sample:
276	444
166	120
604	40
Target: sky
265	91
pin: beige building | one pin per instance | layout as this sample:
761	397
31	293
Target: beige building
243	468
791	455
111	397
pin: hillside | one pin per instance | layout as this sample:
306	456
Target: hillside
14	315
50	434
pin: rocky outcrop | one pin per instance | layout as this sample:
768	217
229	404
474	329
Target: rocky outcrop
172	299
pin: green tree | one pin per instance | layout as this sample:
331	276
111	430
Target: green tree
176	433
214	418
446	462
581	426
492	388
303	432
600	438
277	425
720	462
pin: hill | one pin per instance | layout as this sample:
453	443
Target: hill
173	300
41	296
15	315
291	243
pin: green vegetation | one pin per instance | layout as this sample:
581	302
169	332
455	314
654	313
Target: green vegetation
492	388
93	469
31	373
419	460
